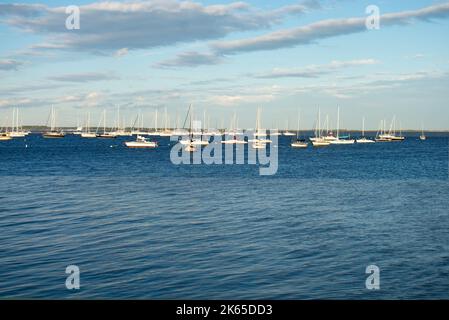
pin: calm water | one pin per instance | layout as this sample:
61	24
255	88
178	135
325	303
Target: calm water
140	227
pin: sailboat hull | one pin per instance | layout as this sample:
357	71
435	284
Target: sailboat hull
53	135
342	142
299	145
365	141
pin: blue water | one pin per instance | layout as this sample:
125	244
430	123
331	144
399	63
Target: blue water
140	227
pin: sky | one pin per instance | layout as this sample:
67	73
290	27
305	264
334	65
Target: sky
227	57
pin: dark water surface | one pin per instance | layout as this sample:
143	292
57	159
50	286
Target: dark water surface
140	227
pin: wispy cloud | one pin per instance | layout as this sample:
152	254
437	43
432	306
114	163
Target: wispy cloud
10	64
315	71
326	29
84	77
190	59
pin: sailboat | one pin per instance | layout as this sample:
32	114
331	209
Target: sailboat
288	133
105	134
299	143
256	142
318	140
190	145
329	134
119	131
363	139
275	131
391	135
16	132
233	133
79	129
166	132
381	135
87	133
53	133
339	141
4	136
422	137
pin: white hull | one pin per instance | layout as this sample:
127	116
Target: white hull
320	143
289	134
141	142
194	142
136	144
88	135
4	137
234	142
17	134
299	145
364	140
53	134
342	142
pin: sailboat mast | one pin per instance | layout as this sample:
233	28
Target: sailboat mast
299	119
53	116
363	126
338	123
319	123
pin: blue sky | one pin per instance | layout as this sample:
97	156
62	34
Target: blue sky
226	57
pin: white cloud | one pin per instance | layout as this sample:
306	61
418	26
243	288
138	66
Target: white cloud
121	52
112	26
325	29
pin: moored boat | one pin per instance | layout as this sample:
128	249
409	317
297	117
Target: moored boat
141	142
53	133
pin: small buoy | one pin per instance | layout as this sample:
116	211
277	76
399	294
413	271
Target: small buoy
26	146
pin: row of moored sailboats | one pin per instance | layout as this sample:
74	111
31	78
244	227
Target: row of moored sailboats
198	137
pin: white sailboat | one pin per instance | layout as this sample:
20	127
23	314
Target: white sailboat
54	132
16	132
119	131
166	132
79	129
258	143
339	141
391	136
275	131
87	133
233	132
422	137
318	140
105	134
381	135
329	133
299	143
287	133
363	139
4	136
